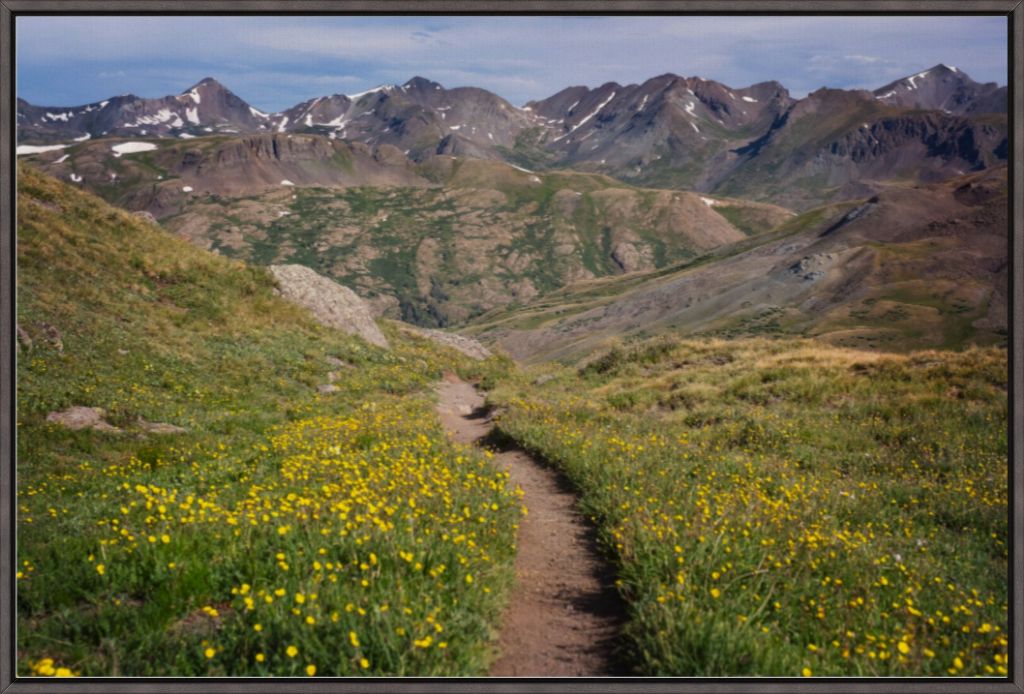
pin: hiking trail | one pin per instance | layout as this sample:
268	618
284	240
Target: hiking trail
564	613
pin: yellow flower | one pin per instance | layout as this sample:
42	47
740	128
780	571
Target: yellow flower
310	619
715	593
101	569
353	639
300	598
364	663
165	539
903	647
291	651
257	627
209	652
311	669
260	657
806	672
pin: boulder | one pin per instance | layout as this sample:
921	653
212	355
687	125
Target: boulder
78	417
331	304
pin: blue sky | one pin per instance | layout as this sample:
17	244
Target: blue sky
276	62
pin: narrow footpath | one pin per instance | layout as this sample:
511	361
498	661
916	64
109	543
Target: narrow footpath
564	612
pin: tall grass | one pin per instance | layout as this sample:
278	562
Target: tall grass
786	508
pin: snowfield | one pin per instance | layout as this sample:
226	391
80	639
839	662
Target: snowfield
132	148
36	149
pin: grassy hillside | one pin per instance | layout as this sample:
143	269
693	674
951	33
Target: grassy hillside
286	531
788	507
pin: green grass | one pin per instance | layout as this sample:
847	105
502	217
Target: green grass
782	507
281	518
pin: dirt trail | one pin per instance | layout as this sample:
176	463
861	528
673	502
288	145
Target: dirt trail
564	612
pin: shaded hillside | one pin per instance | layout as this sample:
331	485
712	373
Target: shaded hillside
839	145
914	266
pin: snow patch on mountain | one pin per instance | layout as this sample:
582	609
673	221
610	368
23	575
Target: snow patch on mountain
592	114
132	148
36	149
379	88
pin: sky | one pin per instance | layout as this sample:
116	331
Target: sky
276	62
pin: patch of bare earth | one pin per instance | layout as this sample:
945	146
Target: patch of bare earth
564	613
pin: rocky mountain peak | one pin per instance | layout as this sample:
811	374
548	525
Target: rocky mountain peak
945	88
422	83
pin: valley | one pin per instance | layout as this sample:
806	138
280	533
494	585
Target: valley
659	379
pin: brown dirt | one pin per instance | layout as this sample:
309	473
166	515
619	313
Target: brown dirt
564	613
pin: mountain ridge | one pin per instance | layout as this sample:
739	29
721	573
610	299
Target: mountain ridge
667	132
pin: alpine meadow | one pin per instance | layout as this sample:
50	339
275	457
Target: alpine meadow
665	378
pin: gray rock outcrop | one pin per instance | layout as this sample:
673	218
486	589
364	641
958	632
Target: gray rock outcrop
331	304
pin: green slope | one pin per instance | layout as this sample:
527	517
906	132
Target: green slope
282	518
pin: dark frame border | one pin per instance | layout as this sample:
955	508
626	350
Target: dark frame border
1013	10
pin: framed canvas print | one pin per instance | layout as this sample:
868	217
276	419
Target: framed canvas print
509	347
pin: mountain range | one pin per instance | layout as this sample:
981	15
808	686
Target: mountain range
549	227
670	131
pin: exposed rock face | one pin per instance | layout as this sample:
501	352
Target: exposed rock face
330	303
467	345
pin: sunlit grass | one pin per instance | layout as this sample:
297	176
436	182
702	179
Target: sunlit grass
786	508
286	532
